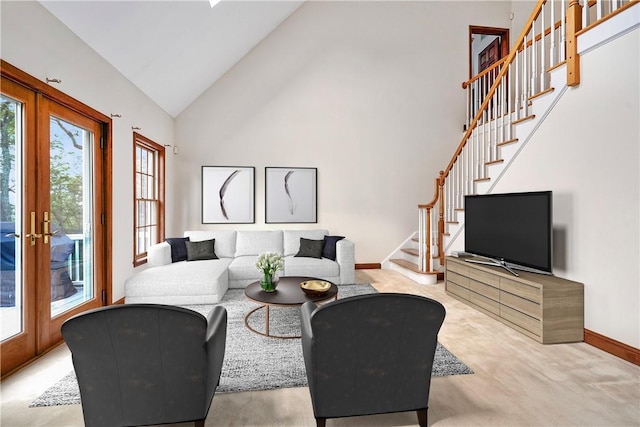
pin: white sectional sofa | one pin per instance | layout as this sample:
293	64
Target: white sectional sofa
206	281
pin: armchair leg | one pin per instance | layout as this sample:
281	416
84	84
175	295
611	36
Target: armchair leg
321	422
422	417
199	423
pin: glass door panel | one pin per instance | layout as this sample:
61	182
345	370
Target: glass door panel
70	207
70	218
11	289
53	252
17	256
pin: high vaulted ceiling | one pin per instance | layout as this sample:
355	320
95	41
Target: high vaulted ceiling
172	50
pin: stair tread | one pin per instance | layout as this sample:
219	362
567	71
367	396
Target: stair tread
411	266
524	119
494	162
544	92
411	251
509	141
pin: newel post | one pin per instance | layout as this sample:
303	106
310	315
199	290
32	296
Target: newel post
441	218
427	243
574	24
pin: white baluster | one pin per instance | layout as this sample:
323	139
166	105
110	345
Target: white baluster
454	200
490	127
494	136
452	196
563	30
516	76
599	10
552	40
500	113
420	237
472	156
485	141
525	81
505	107
469	171
469	105
462	178
478	150
447	194
449	198
465	172
434	229
543	52
534	73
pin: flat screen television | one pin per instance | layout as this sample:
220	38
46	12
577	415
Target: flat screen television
513	230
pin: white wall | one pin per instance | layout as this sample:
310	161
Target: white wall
521	10
367	92
587	152
36	42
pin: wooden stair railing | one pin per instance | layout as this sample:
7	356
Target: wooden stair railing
500	97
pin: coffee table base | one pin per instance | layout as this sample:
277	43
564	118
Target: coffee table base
266	324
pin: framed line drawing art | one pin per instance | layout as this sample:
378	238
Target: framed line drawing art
228	195
291	195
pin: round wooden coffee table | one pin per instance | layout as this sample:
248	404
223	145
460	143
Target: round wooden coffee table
287	294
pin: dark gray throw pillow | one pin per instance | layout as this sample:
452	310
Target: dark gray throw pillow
198	251
178	248
329	248
310	248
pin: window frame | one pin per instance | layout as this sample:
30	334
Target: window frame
144	143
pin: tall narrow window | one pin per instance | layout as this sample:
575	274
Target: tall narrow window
148	205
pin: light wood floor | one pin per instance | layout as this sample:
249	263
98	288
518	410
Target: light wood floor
517	382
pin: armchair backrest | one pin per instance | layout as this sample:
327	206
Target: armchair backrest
140	364
372	354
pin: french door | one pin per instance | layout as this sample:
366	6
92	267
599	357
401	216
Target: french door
53	240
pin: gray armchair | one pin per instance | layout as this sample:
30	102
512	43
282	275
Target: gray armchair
142	364
370	354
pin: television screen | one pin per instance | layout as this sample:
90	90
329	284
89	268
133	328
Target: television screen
514	227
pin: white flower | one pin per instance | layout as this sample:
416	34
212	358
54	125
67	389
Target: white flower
270	262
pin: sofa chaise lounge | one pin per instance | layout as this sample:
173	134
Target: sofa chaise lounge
206	281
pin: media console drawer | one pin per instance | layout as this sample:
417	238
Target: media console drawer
483	289
532	293
458	279
458	290
518	318
522	305
488	304
484	277
546	308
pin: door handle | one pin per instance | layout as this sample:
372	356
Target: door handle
32	234
16	235
45	228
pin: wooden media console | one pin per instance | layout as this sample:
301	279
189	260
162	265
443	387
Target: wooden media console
546	308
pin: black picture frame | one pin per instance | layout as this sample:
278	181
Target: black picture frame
228	194
291	195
